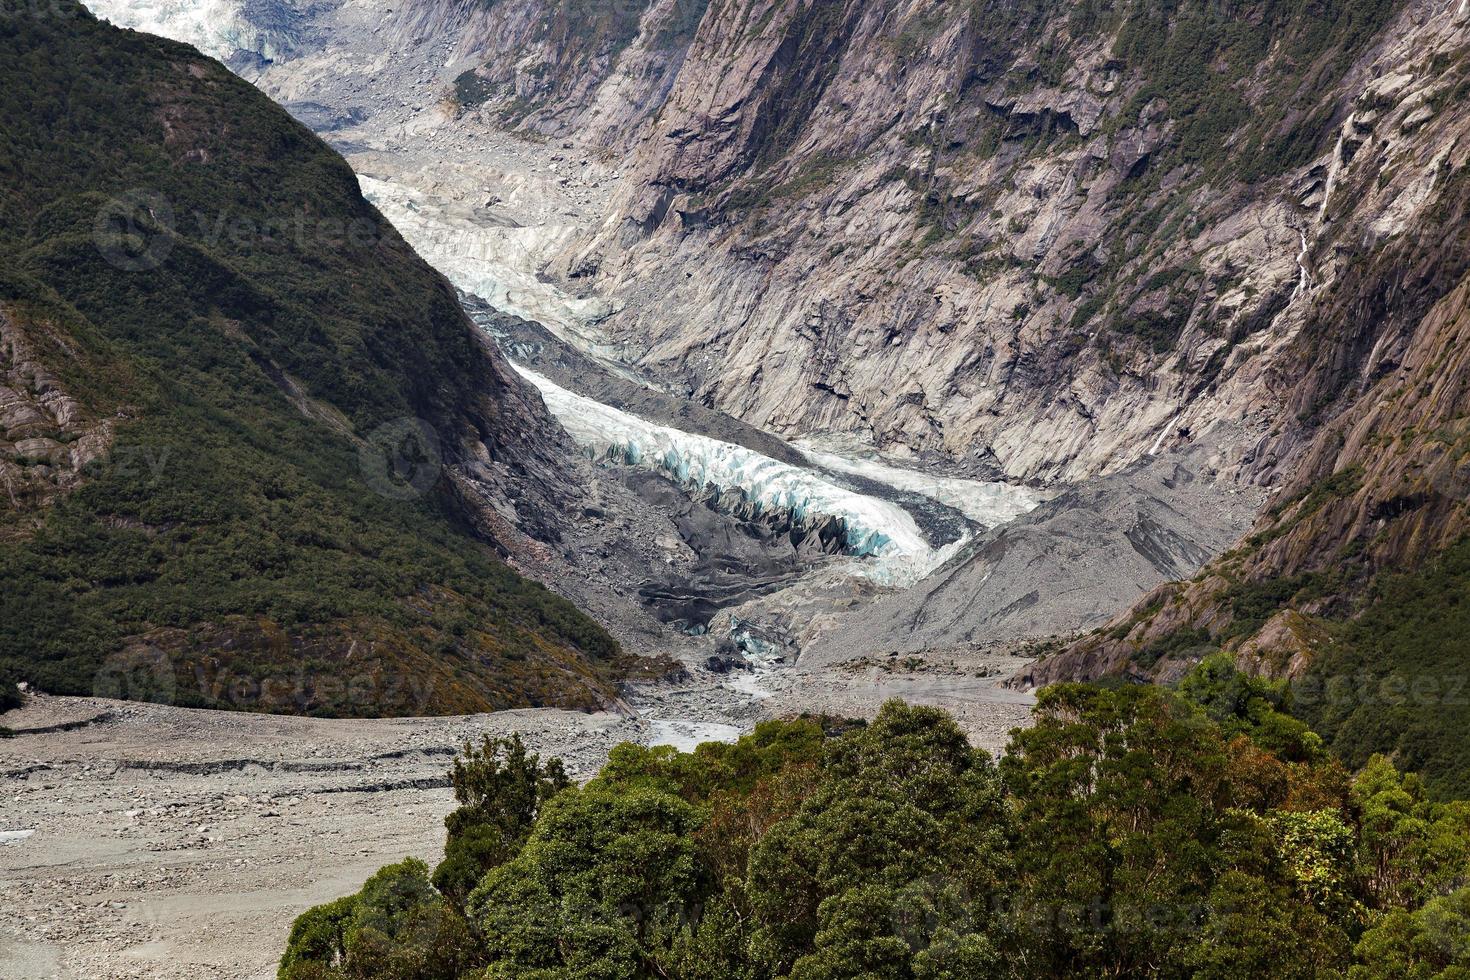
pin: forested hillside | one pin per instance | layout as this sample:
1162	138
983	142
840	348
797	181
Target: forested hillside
244	429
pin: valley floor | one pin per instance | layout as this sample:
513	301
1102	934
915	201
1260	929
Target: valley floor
145	841
175	843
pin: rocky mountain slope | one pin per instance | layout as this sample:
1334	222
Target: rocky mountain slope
1051	242
1076	234
1381	487
1353	583
254	453
1048	242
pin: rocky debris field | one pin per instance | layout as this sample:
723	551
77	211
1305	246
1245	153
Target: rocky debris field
148	841
968	683
175	843
1068	566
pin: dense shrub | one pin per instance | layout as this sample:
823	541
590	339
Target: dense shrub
1132	831
1396	678
10	696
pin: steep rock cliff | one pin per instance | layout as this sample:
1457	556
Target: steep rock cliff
1043	241
1035	240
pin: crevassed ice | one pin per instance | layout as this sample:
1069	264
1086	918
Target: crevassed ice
216	27
877	528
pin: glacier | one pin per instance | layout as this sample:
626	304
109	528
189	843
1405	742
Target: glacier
495	262
218	28
880	531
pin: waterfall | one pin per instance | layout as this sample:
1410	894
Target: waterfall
1304	282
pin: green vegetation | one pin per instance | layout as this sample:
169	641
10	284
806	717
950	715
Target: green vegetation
501	790
209	277
1196	56
10	696
1133	831
1396	678
1338	486
472	89
1391	675
1178	645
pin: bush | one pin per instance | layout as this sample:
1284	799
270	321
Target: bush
1131	831
10	695
396	928
501	790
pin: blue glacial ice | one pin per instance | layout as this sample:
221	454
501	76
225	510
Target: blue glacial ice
219	28
878	530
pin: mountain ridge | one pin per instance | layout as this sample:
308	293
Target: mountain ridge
248	505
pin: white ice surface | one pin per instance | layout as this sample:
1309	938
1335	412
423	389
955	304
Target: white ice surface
987	504
495	262
14	836
877	528
215	27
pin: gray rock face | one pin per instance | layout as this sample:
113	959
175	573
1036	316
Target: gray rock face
47	437
1066	567
1006	242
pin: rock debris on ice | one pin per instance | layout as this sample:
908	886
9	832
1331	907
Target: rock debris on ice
876	528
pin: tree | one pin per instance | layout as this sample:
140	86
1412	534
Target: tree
1410	848
1245	704
1131	831
501	789
604	887
1253	927
1432	943
907	818
397	928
